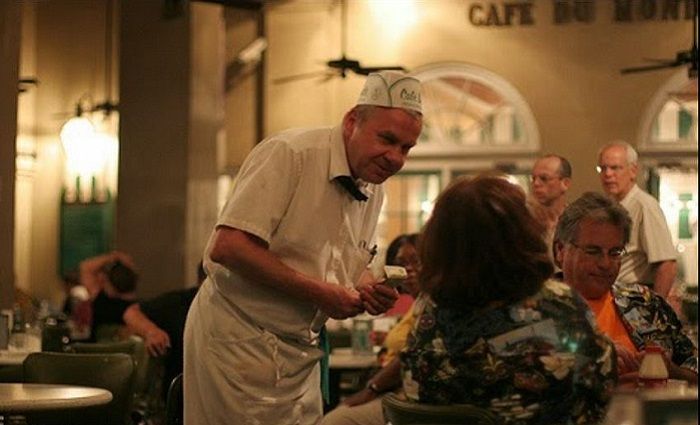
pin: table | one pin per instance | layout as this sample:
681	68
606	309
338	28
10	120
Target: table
26	398
341	361
343	358
674	404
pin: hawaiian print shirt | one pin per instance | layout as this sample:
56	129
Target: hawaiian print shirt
649	318
539	361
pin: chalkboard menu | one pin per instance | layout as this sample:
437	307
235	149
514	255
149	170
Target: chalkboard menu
86	231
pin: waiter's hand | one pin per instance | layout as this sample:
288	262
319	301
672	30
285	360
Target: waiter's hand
340	303
377	297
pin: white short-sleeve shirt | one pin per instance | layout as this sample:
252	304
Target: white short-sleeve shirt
285	194
650	239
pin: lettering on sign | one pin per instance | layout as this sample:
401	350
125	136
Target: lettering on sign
574	11
505	14
646	10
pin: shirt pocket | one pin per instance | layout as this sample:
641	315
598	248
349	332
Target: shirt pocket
358	258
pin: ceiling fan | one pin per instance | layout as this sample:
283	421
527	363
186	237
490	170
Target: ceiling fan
684	57
342	65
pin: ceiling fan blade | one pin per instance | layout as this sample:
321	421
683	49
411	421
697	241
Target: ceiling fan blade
303	76
366	70
659	61
650	67
343	63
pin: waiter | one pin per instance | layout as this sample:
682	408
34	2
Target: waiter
287	253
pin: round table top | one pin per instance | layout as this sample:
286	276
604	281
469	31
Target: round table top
20	397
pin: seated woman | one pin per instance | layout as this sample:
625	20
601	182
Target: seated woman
402	251
365	407
491	330
589	243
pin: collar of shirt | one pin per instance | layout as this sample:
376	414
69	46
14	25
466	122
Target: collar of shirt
339	163
626	200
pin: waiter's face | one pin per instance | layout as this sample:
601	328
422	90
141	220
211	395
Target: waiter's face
377	141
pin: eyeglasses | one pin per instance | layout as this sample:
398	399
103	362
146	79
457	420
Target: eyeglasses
615	254
543	178
614	168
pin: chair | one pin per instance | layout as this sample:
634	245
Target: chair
126	346
108	332
403	412
111	371
174	405
147	396
133	346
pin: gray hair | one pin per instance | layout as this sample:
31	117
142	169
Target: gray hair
631	153
596	207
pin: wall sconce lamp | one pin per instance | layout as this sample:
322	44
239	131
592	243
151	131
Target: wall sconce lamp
87	152
87	206
24	83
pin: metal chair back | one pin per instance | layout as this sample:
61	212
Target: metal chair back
174	406
111	371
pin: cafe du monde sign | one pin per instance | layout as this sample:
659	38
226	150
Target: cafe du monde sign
514	13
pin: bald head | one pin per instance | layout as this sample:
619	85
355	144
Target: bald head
551	179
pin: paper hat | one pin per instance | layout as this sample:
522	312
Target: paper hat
391	89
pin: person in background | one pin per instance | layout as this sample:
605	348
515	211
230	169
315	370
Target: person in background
491	328
76	306
589	246
403	251
287	253
651	256
549	182
365	406
110	281
161	323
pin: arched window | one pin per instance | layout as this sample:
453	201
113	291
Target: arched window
473	121
470	109
670	122
668	147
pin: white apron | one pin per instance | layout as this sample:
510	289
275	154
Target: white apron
238	373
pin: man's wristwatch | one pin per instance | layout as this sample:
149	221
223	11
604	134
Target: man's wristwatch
373	387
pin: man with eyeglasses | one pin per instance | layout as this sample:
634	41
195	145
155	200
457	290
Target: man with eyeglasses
549	182
651	256
589	246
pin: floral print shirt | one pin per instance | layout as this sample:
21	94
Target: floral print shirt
539	361
649	318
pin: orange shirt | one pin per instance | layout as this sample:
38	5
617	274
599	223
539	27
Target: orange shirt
609	322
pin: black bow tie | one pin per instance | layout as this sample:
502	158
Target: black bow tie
349	185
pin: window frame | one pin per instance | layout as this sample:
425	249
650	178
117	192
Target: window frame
499	85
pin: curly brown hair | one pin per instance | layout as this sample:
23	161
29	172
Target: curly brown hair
482	245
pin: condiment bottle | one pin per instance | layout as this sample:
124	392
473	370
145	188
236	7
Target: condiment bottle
652	370
361	328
